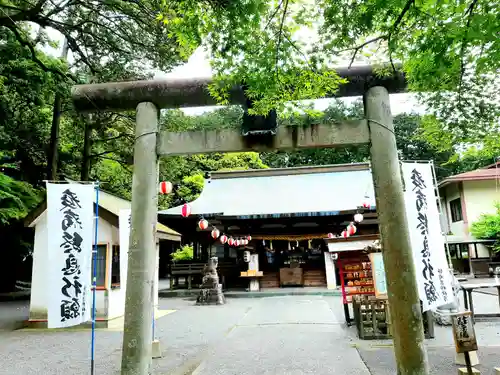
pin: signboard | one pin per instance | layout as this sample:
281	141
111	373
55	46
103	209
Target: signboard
378	274
124	222
463	332
429	255
70	235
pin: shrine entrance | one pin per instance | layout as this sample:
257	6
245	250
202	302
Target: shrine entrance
377	130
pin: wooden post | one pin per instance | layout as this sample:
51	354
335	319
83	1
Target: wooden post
404	302
138	330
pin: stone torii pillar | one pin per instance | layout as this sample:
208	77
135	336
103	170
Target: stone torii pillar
147	97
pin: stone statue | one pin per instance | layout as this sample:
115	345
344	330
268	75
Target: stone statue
210	289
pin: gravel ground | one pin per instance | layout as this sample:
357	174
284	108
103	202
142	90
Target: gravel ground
277	335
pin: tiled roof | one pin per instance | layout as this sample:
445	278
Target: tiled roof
487	173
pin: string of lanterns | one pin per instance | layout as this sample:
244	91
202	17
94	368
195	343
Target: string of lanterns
351	229
166	187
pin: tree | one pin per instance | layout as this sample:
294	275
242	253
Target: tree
117	29
98	34
283	49
487	227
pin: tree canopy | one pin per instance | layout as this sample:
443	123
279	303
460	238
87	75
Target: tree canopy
285	49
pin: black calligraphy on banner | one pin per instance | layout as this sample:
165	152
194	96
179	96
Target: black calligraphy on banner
419	184
462	323
71	242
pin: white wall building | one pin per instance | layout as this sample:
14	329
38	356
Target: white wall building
464	198
111	261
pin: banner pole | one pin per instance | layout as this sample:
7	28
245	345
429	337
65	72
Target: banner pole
94	281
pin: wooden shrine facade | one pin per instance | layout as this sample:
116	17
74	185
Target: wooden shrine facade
287	212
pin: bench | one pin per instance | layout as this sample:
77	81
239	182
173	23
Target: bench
185	270
188	270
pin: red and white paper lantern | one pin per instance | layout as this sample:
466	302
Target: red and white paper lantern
351	229
245	242
330	235
203	224
186	210
165	187
366	204
345	234
230	241
215	233
223	239
358	218
249	238
237	243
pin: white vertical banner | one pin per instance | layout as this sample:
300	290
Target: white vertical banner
124	226
70	227
427	242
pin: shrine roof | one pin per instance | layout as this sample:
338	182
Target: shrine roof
285	192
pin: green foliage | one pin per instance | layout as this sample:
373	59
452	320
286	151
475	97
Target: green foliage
117	30
184	253
488	227
285	49
17	198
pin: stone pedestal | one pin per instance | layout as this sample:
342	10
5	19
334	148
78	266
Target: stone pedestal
463	371
460	359
156	349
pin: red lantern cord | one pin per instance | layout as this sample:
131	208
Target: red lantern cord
186	210
203	224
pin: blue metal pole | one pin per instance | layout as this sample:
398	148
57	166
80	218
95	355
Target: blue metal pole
94	280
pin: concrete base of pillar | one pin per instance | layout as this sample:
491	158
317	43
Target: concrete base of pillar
460	359
254	285
463	371
156	352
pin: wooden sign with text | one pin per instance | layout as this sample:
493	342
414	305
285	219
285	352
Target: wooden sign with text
463	332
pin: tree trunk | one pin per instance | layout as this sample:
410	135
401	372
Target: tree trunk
87	147
53	155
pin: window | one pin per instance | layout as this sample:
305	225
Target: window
115	266
456	210
101	266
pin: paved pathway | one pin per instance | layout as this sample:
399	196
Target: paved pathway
278	335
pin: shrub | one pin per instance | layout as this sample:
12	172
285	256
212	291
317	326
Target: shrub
184	253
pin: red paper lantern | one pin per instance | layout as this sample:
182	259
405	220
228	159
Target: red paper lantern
330	235
351	229
203	224
223	239
249	238
366	204
165	187
215	233
345	234
230	241
237	243
186	210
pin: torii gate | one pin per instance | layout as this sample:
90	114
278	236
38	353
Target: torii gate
377	130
